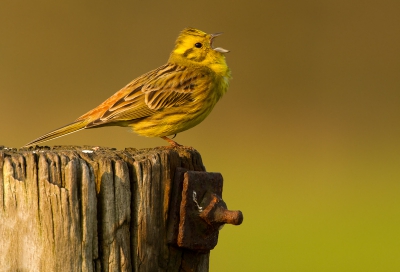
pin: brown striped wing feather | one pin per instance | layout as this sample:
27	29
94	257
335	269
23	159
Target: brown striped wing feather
168	86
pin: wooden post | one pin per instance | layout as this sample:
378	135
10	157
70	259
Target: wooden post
91	209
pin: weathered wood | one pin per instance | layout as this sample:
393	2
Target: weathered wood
91	209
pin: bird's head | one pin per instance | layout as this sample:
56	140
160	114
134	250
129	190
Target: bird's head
195	47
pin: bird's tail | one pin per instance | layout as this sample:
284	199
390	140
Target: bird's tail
65	130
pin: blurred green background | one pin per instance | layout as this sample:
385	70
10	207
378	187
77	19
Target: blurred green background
307	137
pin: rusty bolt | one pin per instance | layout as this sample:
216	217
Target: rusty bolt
217	214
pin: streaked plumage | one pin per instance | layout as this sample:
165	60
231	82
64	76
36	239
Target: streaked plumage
168	100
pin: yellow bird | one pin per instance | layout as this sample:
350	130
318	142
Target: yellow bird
170	99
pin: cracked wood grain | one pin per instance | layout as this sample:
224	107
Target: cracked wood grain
91	209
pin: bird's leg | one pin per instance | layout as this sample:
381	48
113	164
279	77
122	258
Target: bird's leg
171	142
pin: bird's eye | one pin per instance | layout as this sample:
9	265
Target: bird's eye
198	45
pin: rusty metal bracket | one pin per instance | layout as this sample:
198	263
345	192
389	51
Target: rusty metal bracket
197	211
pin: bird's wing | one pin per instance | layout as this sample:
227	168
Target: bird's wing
168	86
172	88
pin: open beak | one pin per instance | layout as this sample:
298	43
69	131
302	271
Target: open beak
218	49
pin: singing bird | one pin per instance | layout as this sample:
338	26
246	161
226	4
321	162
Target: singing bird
170	99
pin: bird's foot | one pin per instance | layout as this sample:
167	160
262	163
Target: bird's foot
171	142
174	144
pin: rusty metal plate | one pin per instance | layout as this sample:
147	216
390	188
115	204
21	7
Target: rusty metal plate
198	189
197	210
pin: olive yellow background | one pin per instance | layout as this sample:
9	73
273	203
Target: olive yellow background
307	137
